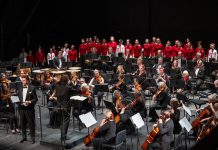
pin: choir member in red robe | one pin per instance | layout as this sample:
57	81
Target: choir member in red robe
157	46
189	52
40	58
129	48
113	44
30	57
168	51
82	48
54	50
72	55
147	48
137	48
186	44
200	49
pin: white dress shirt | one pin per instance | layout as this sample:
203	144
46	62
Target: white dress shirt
120	49
24	94
212	54
50	56
65	53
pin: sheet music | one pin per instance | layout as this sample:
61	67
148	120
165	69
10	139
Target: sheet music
137	120
15	99
188	111
185	124
88	119
79	98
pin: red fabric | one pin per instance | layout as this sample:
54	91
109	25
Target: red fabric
189	53
157	47
39	57
82	49
55	52
147	50
72	55
137	50
177	49
89	46
104	49
113	45
98	47
168	52
197	50
130	48
30	58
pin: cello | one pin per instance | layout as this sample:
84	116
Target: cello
150	138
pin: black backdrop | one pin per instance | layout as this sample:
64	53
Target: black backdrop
57	22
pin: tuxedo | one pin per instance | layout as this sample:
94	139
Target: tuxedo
27	113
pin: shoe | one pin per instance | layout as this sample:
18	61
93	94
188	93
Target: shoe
23	140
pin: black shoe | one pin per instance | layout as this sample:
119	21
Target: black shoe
23	140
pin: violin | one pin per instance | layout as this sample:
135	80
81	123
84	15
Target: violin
118	102
138	87
159	91
117	84
91	136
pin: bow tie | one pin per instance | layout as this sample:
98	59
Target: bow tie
25	87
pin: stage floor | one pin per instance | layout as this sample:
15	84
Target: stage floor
10	141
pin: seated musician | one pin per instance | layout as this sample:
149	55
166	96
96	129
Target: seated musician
87	106
6	106
160	64
74	83
175	115
162	76
138	105
181	60
97	79
107	131
158	55
137	87
161	99
47	79
182	92
120	70
141	72
215	88
200	74
117	98
120	85
125	122
175	72
165	136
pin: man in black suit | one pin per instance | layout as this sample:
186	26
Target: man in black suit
59	61
166	127
107	131
28	99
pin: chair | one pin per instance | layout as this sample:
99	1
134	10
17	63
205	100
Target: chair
5	121
119	141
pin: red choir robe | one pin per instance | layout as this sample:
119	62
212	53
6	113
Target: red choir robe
147	50
30	58
130	48
197	50
157	47
72	55
39	57
104	49
137	50
82	49
113	45
188	53
168	52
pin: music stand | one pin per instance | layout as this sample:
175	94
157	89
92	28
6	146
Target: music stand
88	120
138	122
102	88
185	124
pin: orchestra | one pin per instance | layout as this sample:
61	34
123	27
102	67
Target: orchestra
177	71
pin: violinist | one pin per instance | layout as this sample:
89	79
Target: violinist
175	72
6	107
162	76
74	83
161	99
137	87
138	105
120	71
117	98
120	85
165	136
107	131
200	74
175	115
97	79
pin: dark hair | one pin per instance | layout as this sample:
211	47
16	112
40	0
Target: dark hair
64	79
26	77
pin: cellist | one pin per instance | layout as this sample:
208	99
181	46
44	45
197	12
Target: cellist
107	131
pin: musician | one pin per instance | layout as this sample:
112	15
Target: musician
74	83
117	98
161	99
58	61
107	131
120	70
200	74
175	115
212	53
215	89
22	74
138	105
159	65
158	55
175	71
125	122
120	48
120	85
62	95
50	57
28	99
162	76
6	106
97	79
136	86
141	72
166	126
181	60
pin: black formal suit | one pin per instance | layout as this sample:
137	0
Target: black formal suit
176	117
56	62
166	134
107	132
63	93
27	113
